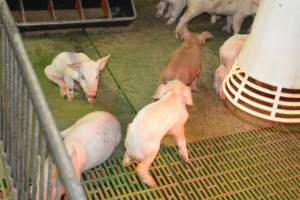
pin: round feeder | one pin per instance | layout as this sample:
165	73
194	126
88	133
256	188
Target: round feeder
265	80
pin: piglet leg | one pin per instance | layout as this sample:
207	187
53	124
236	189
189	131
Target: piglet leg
237	23
179	137
194	85
127	160
142	170
51	75
69	88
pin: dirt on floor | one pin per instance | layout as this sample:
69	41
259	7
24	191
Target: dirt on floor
139	52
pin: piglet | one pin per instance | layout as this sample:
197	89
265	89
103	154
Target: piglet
229	52
69	68
89	142
184	62
165	116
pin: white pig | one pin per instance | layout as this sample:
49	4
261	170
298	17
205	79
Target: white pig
228	53
236	10
89	142
153	122
69	68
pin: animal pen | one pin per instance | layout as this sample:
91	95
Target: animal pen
253	164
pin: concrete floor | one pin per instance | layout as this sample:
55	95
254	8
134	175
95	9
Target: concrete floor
139	52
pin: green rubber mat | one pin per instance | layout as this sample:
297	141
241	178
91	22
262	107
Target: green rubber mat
262	164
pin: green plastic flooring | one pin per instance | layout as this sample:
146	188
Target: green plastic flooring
261	164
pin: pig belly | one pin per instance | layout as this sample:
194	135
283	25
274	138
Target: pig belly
63	59
98	150
139	150
226	7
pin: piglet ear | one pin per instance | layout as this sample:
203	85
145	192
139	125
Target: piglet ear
205	35
162	88
102	62
188	96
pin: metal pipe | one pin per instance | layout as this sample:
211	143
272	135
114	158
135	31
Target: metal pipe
14	132
19	131
42	168
57	149
5	93
34	157
25	141
49	183
27	161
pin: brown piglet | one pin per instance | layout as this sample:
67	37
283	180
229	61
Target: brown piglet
184	62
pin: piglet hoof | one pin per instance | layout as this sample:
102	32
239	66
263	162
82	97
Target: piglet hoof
150	182
226	29
159	14
70	98
91	100
62	92
171	20
187	160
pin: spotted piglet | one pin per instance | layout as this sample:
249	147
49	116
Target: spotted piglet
229	52
165	116
70	68
185	62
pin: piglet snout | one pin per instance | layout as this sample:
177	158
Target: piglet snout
91	97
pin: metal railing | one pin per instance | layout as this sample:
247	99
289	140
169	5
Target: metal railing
28	132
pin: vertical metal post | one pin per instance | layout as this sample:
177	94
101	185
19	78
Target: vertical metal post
42	168
28	147
34	157
19	132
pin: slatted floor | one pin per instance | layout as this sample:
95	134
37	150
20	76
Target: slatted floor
262	164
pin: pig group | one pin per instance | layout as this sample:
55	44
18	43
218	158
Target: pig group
93	138
234	10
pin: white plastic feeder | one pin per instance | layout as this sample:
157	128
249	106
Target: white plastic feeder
265	80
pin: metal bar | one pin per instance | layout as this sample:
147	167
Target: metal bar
49	182
42	168
10	105
34	157
78	6
21	7
24	141
20	132
14	115
27	161
104	6
57	149
51	10
2	81
5	92
58	185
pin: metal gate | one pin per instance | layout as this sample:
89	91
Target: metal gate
28	132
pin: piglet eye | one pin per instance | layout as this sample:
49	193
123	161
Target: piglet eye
83	78
97	77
